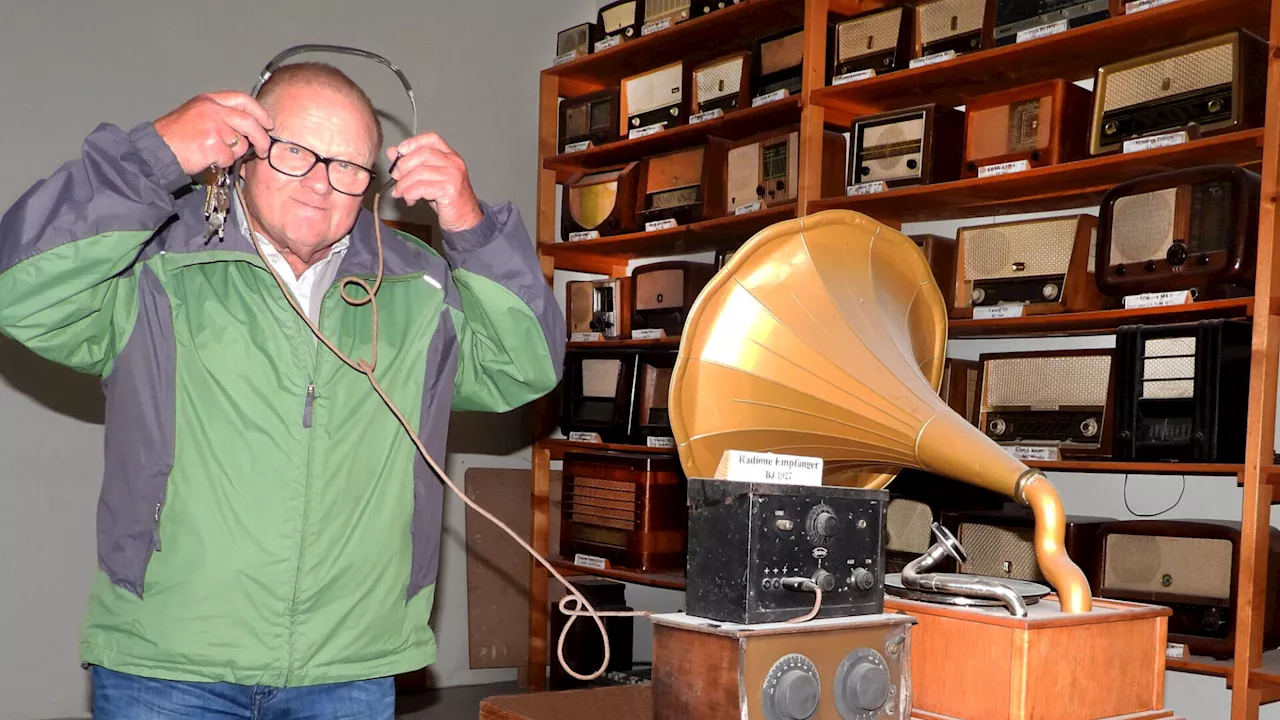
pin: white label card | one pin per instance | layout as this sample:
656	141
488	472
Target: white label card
590	561
1026	452
867	188
660	225
608	42
853	77
705	116
933	59
585	437
1156	141
760	467
1158	299
1044	31
577	147
648	334
1008	168
661	442
586	337
584	235
1138	6
1175	650
748	208
996	312
567	57
646	131
771	97
655	26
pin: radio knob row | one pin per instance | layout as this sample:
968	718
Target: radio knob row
862	687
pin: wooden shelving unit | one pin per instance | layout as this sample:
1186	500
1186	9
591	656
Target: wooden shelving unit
1253	676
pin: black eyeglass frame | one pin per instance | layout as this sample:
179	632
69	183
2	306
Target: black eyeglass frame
318	160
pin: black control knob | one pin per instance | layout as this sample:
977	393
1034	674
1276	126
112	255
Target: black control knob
863	579
1177	254
1149	266
867	686
1121	270
824	580
822	525
1211	621
797	695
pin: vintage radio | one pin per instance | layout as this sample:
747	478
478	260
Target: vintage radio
917	499
1042	124
915	146
1058	399
653	386
960	26
1189	566
620	19
1182	391
685	185
879	41
706	7
1000	543
598	306
1193	229
592	119
665	13
1042	265
779	61
655	97
1210	86
723	84
662	294
764	170
599	393
753	545
941	253
577	41
603	201
625	508
961	380
1015	16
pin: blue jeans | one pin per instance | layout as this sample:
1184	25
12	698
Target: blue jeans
117	696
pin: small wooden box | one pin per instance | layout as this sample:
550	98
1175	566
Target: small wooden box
1043	124
985	664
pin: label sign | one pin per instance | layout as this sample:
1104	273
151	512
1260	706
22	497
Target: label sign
655	26
590	561
744	466
1156	141
1158	299
646	131
661	442
1138	6
585	437
748	208
1008	168
584	235
586	337
1025	452
705	116
869	188
771	97
853	77
996	312
1043	31
1175	650
567	57
648	334
933	59
608	42
660	225
577	147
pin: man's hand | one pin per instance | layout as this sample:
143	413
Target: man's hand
430	170
215	129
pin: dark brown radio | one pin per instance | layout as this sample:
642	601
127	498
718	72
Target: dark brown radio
779	63
601	201
1210	86
722	84
1043	124
1190	566
592	119
619	19
685	186
1019	16
662	294
1042	265
880	41
577	41
706	7
1001	543
1182	391
941	253
764	170
914	146
962	26
961	380
653	387
599	392
1193	229
598	306
625	508
1059	399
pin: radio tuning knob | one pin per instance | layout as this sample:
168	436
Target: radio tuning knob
1150	266
862	579
1122	270
997	427
1177	254
791	689
824	580
1050	291
862	684
1203	258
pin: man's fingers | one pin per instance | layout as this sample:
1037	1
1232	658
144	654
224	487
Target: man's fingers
427	182
426	157
427	140
245	103
247	125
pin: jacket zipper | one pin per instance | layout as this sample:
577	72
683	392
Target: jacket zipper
159	505
306	406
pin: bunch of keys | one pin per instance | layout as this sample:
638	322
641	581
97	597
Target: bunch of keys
217	202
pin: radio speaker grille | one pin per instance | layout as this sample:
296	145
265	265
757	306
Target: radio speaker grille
1195	567
618	17
947	18
997	551
658	9
909	524
720	80
601	503
1142	226
1048	381
1015	250
873	34
1169	77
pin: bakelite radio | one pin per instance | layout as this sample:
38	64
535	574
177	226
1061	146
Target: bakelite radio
1192	229
914	146
722	84
1041	264
621	394
1001	543
1043	124
941	253
599	306
962	26
961	381
1207	87
706	7
764	169
685	186
626	508
589	118
651	418
779	61
620	19
579	40
603	201
880	41
1016	16
662	294
917	499
671	11
1191	567
654	97
1182	391
1059	399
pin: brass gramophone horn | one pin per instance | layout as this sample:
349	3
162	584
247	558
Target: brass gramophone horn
825	336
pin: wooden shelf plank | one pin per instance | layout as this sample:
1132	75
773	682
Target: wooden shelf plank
1054	187
1072	55
701	236
628	343
1200	665
1099	321
671	581
1139	468
693	41
558	447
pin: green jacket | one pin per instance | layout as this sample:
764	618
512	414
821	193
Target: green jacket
263	517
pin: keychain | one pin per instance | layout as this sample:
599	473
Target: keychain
217	202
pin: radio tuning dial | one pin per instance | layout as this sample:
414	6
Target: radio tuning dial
862	579
791	689
1089	427
823	524
862	685
824	580
997	427
1177	254
1050	291
979	295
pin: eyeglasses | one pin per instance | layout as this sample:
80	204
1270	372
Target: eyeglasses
295	160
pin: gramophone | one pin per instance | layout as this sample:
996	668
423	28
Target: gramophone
825	337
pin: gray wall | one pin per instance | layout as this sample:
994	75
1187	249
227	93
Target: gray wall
71	65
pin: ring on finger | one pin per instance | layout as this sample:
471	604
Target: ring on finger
234	141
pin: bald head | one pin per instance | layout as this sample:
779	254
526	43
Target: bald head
320	76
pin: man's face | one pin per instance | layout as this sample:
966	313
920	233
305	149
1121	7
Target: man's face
304	216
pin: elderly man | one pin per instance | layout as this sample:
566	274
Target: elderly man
268	534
